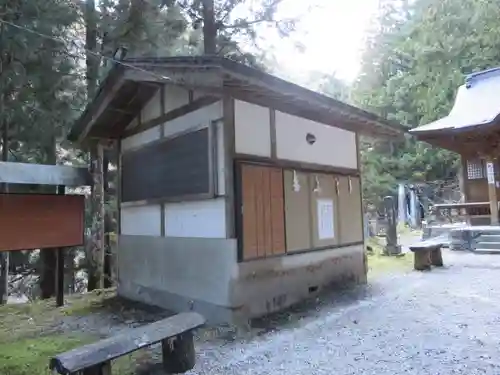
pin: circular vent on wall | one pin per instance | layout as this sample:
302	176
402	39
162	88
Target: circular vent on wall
310	138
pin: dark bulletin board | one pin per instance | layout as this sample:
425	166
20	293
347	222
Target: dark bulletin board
169	168
37	221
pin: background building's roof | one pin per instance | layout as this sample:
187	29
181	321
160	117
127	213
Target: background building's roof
477	104
132	83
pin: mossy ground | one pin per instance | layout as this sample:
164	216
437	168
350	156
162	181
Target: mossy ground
29	334
378	263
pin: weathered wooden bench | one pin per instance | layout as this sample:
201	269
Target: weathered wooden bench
174	333
428	253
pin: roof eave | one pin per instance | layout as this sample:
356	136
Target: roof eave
111	83
149	69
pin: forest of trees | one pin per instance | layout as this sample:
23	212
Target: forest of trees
53	53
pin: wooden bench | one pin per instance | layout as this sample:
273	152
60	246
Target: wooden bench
174	333
428	253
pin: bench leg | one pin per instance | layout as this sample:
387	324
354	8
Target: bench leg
178	353
101	369
422	261
437	257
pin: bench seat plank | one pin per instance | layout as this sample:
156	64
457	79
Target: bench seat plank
116	346
428	244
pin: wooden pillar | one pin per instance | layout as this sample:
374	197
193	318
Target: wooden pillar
462	178
492	189
97	251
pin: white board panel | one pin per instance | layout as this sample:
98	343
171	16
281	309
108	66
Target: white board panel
152	109
175	97
202	116
333	146
141	139
252	129
141	220
198	219
221	167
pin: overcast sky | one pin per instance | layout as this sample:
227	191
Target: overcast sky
332	33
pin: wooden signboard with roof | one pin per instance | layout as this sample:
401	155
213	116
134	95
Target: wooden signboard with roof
41	221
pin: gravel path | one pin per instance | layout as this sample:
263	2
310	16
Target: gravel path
445	321
440	322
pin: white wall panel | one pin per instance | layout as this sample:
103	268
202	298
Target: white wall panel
252	129
197	94
333	147
175	97
198	219
152	109
140	139
202	116
141	220
133	123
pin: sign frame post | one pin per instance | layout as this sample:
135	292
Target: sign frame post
61	190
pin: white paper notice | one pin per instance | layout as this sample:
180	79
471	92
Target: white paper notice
296	183
490	173
325	219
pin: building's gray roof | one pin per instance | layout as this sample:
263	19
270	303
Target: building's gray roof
130	85
477	103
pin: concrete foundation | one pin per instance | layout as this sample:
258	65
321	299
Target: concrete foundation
182	274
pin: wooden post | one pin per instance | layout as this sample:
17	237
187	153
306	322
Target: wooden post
437	257
61	190
100	369
492	190
178	353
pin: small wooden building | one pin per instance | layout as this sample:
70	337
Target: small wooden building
240	192
472	129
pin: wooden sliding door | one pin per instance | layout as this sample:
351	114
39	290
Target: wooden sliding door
263	223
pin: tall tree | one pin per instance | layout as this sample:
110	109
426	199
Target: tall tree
227	24
34	82
209	28
413	64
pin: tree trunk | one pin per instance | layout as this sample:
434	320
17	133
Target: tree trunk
209	28
95	247
92	61
48	258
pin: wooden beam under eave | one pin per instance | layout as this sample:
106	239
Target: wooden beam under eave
204	79
103	104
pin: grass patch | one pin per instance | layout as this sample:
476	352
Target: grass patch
404	230
31	356
19	321
378	263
